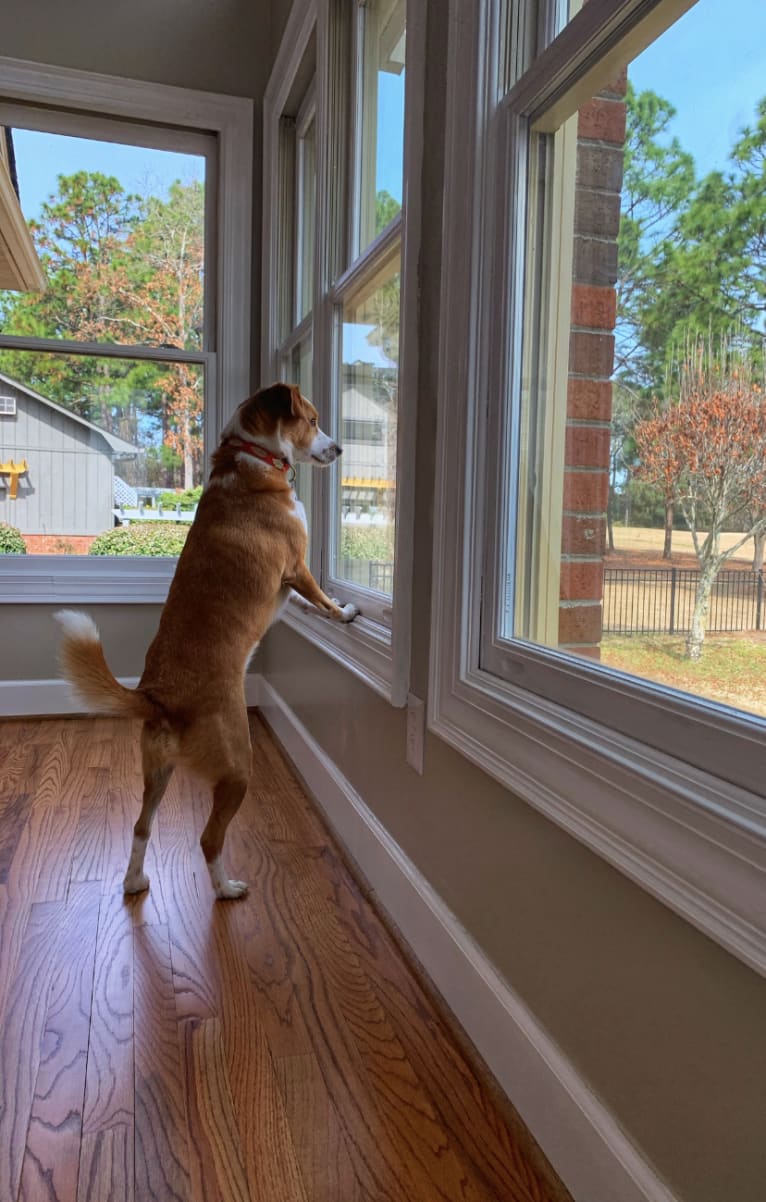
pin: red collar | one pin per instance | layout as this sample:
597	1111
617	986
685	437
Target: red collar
251	448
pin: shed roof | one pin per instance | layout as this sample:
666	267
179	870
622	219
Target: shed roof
119	446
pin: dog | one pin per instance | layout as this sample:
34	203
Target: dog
243	560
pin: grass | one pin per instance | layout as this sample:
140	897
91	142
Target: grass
732	669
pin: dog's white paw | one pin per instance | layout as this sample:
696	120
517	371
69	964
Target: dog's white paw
231	889
348	611
222	886
135	882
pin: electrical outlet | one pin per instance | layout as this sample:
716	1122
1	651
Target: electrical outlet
416	724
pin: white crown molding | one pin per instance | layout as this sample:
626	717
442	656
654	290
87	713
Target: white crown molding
583	1141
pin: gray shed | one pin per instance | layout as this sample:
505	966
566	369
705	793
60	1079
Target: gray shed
68	487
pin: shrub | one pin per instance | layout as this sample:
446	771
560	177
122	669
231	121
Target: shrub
368	542
11	542
147	538
187	499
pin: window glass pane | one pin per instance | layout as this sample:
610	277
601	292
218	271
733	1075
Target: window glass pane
381	133
306	220
92	445
637	534
364	545
120	233
300	373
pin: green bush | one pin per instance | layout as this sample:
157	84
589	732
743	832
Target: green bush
187	499
11	542
141	538
368	542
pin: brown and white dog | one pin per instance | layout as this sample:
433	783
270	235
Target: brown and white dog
243	557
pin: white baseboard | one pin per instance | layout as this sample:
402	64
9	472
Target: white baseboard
48	698
580	1137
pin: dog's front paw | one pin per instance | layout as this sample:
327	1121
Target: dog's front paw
348	611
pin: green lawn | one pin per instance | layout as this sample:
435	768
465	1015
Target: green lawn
732	668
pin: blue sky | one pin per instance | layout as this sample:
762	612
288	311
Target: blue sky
711	66
41	158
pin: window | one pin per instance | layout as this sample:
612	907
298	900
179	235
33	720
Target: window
341	158
121	370
7	406
567	305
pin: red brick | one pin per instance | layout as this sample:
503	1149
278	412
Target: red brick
583	535
58	544
602	121
599	167
595	261
591	354
597	213
581	581
589	400
579	624
593	307
586	492
587	446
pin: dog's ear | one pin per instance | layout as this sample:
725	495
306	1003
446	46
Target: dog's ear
279	401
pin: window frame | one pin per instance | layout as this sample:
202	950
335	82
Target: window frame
646	777
376	646
73	97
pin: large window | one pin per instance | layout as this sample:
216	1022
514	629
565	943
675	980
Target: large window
603	338
335	242
121	370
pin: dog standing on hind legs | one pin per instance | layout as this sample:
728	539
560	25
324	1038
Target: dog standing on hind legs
243	559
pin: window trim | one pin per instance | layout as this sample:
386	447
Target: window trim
670	822
230	119
377	653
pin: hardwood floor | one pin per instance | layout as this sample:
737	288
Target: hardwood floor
174	1049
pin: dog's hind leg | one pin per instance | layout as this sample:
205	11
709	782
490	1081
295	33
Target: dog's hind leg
158	769
224	755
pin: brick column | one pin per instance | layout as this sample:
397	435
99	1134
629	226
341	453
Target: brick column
600	142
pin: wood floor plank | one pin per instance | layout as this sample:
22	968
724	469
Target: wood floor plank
88	843
192	953
109	1083
106	1165
20	1038
325	1163
162	1145
49	1171
270	1160
216	1165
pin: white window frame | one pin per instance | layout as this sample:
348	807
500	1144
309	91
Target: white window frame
376	646
667	788
73	98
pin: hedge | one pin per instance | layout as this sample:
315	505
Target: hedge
141	538
187	499
11	542
371	542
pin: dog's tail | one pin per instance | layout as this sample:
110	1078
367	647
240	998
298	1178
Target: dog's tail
81	659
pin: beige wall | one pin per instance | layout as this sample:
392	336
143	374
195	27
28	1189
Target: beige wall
213	45
29	635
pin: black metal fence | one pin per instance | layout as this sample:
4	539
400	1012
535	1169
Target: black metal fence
661	601
368	573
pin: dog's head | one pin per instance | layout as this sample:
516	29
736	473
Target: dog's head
281	420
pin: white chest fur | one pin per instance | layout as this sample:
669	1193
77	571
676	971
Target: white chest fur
300	512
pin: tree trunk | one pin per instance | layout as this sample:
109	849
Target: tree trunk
610	524
696	637
760	547
667	549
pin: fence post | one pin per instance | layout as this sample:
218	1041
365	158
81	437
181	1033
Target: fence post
672	600
759	600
